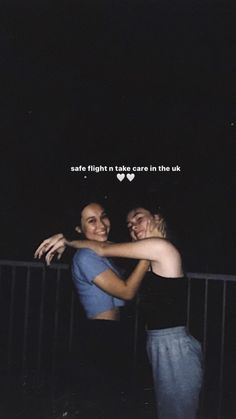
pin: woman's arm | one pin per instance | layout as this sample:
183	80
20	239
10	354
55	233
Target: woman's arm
112	284
154	249
57	243
165	258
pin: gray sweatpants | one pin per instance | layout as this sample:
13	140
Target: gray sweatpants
176	359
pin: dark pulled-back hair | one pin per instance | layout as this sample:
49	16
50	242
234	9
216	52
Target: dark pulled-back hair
74	211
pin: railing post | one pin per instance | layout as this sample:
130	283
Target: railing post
202	398
26	322
71	321
56	321
41	319
11	319
70	342
222	351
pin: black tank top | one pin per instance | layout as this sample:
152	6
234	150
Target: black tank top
163	301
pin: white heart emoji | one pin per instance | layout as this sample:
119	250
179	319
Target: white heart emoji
130	176
120	176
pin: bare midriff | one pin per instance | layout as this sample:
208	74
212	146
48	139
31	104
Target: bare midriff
112	314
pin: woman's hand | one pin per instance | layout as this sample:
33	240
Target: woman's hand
58	249
55	243
152	229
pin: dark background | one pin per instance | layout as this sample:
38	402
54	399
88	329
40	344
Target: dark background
119	82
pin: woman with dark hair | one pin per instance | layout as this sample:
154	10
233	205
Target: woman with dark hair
174	354
102	292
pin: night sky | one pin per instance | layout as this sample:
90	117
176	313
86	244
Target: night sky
112	83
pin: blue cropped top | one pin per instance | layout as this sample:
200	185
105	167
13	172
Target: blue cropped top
87	265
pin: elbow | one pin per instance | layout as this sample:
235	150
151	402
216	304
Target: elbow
128	295
129	298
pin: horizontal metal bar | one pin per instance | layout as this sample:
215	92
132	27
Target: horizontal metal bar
32	264
217	277
194	275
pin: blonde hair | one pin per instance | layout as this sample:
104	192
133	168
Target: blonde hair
162	226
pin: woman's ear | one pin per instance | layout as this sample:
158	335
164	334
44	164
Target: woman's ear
78	229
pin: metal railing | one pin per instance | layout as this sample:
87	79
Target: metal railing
42	321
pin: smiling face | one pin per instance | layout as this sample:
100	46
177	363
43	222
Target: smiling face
137	220
95	224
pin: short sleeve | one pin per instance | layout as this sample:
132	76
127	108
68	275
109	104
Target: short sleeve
88	265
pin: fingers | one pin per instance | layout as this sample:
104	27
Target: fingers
147	230
41	249
49	256
58	248
47	244
133	237
60	252
150	228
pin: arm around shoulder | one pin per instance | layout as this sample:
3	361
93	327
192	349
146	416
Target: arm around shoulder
153	249
109	282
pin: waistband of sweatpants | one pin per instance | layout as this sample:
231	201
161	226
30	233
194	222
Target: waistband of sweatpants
174	331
